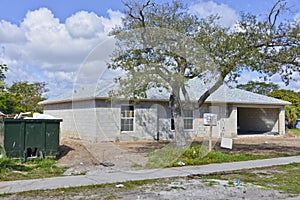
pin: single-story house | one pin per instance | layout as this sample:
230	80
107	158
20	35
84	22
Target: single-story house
95	116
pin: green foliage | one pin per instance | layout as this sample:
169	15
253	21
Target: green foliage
291	111
14	169
27	95
259	87
164	157
21	96
3	68
194	155
7	103
295	131
200	157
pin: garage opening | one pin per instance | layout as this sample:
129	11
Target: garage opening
257	120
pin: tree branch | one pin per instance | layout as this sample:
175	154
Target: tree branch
275	11
206	94
141	16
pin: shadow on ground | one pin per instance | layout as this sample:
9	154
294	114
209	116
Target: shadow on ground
63	150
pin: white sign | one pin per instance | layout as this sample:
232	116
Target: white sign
210	119
226	143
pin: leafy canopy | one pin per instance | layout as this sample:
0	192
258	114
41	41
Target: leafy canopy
259	87
27	96
154	51
263	45
20	96
292	112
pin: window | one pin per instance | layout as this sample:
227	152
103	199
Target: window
188	120
127	118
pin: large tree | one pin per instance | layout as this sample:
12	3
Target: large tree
154	58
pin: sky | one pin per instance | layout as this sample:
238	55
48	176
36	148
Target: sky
49	40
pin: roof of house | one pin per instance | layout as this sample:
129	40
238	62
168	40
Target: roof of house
195	88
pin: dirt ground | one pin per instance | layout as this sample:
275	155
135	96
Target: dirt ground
179	188
85	157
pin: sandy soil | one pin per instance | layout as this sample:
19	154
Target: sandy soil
83	156
179	188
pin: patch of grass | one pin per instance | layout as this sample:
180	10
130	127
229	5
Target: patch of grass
230	183
295	131
108	190
110	197
209	182
285	178
195	155
164	157
175	187
14	169
136	165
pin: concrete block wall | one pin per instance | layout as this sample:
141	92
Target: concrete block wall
226	121
231	122
65	112
100	120
281	121
108	123
146	121
79	119
258	119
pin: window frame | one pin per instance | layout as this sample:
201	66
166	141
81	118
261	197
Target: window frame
191	117
172	122
130	118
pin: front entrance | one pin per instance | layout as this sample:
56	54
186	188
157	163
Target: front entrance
257	120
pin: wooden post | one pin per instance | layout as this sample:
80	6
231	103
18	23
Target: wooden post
210	134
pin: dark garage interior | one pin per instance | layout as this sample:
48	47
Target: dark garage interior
257	120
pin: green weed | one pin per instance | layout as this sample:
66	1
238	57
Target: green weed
15	169
195	155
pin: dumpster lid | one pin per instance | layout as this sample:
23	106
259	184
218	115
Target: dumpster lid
43	116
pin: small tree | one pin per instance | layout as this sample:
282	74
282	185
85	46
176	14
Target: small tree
292	112
27	95
266	46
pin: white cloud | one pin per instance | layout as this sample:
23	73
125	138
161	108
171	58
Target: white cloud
228	16
115	18
84	24
10	33
294	83
42	48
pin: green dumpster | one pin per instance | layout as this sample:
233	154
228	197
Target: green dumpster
31	137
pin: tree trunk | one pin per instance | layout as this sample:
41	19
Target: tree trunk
177	111
180	136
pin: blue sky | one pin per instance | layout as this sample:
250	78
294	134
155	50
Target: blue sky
15	10
48	40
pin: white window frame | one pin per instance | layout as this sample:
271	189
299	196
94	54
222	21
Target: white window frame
131	117
184	123
188	118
